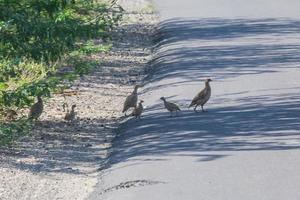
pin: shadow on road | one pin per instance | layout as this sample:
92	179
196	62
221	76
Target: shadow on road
228	48
253	126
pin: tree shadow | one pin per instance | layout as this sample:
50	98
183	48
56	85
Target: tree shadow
188	50
262	123
193	49
57	146
182	29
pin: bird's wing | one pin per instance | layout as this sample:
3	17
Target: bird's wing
173	106
134	100
140	108
127	103
137	111
199	96
134	112
34	110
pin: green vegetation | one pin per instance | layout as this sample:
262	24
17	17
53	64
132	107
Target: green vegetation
13	130
38	38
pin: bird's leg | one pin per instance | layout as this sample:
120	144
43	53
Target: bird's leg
203	109
171	114
195	109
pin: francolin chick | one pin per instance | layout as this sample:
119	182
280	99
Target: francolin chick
137	112
10	114
65	107
170	106
131	100
36	109
70	116
202	97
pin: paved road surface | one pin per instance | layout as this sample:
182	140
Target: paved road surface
247	146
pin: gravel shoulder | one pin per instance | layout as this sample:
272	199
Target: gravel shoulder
64	161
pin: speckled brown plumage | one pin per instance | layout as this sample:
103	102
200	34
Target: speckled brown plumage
171	107
70	116
137	112
131	100
202	97
36	109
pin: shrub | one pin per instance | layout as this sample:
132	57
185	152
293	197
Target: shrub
36	38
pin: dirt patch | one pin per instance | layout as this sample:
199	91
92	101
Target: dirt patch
61	160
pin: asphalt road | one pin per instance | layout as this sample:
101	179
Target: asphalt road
247	146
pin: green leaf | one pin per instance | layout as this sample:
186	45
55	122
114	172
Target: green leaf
3	86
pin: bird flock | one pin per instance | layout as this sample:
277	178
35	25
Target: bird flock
199	100
131	101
